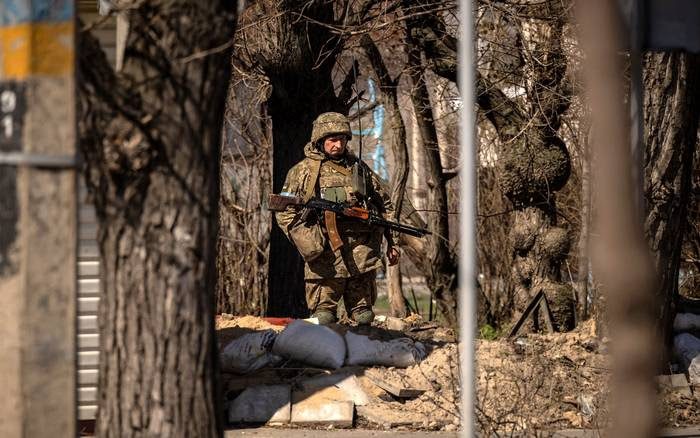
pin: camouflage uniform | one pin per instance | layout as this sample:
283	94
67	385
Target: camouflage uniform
348	272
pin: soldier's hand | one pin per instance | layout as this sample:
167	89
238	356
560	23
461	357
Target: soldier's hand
393	255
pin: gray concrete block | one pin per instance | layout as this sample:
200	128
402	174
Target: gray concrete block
347	383
262	404
322	407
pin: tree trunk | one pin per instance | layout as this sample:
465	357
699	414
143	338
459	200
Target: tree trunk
388	88
151	142
439	264
533	165
298	63
672	108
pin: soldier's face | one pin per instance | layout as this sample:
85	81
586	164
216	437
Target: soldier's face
334	146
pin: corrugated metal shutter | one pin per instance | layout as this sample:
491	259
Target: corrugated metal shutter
88	255
88	299
105	29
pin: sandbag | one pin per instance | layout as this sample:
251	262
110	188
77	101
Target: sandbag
686	348
313	344
250	352
686	322
402	352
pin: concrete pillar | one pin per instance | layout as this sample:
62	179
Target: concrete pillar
37	218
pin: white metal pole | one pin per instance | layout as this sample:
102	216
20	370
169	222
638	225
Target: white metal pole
467	265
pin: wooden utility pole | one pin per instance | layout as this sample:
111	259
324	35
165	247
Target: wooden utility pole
37	218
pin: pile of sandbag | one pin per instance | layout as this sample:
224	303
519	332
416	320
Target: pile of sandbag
318	346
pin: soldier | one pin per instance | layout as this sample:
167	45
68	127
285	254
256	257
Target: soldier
348	272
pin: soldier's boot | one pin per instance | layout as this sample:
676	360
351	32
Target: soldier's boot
325	317
363	317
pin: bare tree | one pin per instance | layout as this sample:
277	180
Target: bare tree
533	161
150	136
302	51
244	232
671	118
292	47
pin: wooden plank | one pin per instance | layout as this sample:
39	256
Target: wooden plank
87	377
88	268
87	323
88	304
90	340
530	309
395	390
88	359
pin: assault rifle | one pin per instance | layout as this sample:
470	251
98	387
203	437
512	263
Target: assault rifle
331	209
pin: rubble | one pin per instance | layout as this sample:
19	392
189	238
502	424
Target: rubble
424	395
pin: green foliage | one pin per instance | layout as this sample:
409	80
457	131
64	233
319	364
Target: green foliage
489	333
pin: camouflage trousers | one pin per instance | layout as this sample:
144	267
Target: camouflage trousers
359	293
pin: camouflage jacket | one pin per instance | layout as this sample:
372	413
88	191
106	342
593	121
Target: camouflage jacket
361	250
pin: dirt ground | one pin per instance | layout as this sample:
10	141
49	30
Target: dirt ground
540	383
530	386
436	409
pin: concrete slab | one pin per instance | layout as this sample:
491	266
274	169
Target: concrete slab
269	404
680	384
325	406
347	383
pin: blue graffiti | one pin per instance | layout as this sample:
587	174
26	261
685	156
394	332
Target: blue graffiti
376	131
22	11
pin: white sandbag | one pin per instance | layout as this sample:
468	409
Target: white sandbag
686	322
313	344
402	352
250	352
686	348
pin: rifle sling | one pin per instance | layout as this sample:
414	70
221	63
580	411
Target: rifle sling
313	178
338	168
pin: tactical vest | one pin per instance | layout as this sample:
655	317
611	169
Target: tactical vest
334	182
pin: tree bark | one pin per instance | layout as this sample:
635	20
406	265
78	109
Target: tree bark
440	263
388	88
671	117
151	141
297	55
533	165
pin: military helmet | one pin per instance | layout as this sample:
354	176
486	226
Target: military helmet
330	124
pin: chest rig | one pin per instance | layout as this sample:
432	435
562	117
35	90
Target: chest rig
336	184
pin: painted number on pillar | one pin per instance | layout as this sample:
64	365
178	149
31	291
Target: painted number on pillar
12	112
